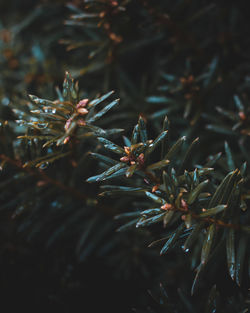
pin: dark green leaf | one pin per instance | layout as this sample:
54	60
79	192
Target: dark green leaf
130	171
156	142
220	191
127	225
212	301
173	239
94	103
213	211
243	168
135	135
157	165
230	161
107	173
175	148
156	242
111	146
187	155
155	198
150	212
193	236
168	183
127	214
142	130
103	158
158	99
230	246
238	103
127	142
208	242
240	258
102	112
213	159
165	127
146	222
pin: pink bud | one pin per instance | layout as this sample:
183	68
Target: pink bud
167	206
82	111
184	204
66	140
141	158
124	159
41	183
82	103
67	124
242	116
81	122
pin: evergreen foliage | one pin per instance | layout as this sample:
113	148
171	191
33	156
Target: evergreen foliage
101	199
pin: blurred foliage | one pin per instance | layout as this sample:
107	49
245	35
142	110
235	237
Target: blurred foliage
174	152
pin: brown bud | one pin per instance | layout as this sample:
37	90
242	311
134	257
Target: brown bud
115	37
66	140
114	3
167	206
5	35
73	163
127	150
183	80
106	25
155	188
41	183
102	14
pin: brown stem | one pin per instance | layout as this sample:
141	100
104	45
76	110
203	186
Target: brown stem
209	220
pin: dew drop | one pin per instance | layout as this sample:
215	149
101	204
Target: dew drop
185	250
17	212
42	126
44	165
20	122
55	204
49	110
